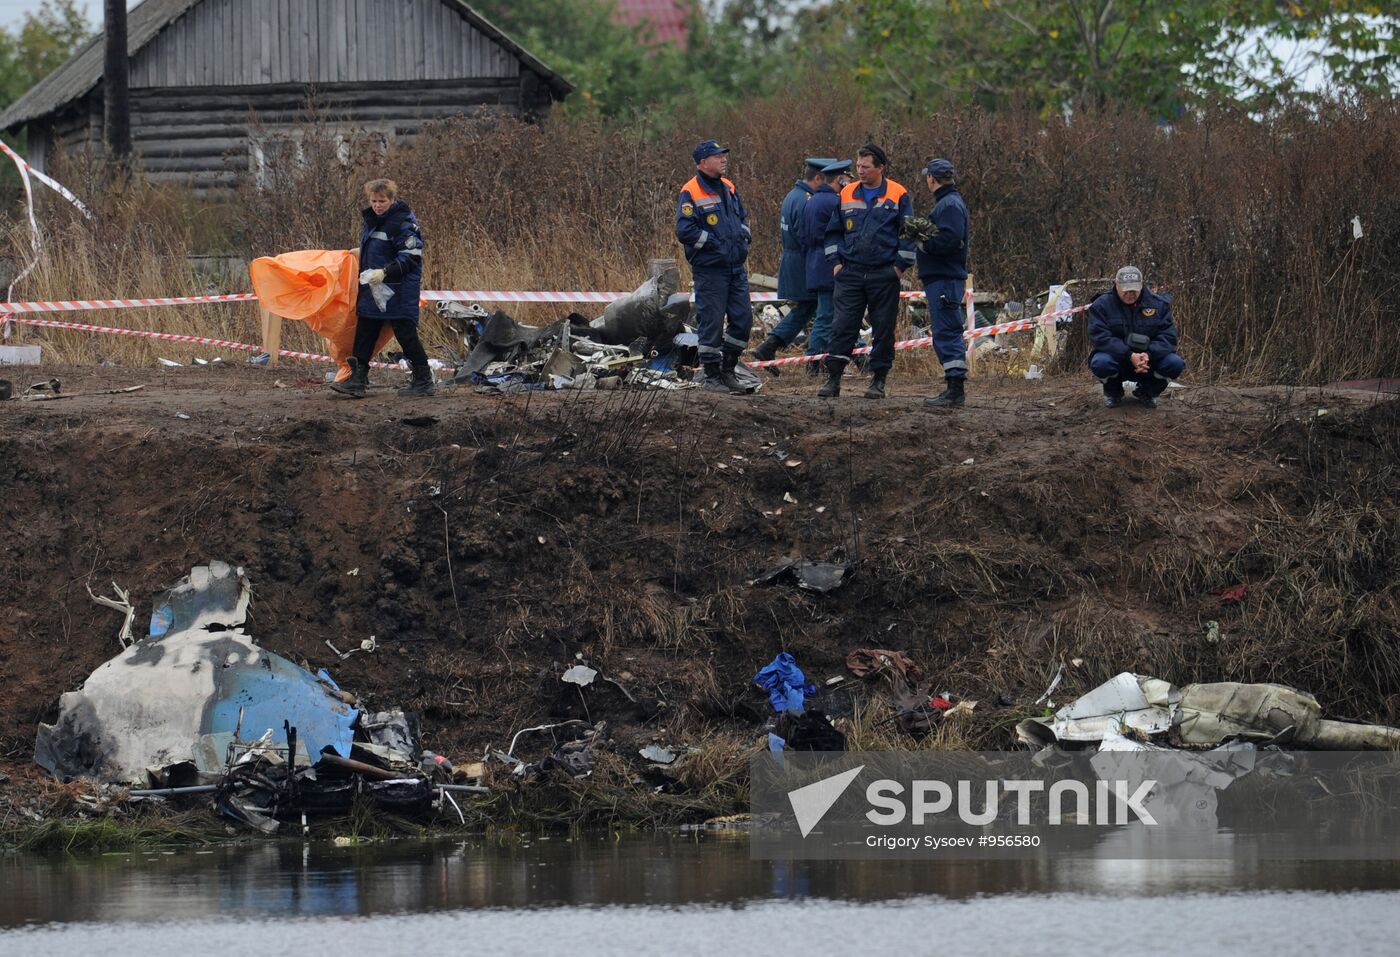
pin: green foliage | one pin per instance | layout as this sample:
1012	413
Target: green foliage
1163	55
44	40
1262	57
735	50
1053	55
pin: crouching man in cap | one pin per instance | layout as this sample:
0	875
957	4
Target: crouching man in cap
868	256
792	269
1134	338
713	227
942	261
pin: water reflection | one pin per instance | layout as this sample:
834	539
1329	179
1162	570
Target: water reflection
320	880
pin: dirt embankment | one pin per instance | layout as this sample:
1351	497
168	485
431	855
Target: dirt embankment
485	551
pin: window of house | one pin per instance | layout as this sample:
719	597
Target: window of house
289	150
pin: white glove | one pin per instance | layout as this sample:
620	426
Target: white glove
372	277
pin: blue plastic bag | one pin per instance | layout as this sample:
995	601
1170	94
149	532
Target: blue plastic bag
787	687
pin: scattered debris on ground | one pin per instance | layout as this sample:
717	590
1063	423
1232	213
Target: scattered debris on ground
820	577
644	340
1202	715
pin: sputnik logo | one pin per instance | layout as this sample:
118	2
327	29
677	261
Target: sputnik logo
811	802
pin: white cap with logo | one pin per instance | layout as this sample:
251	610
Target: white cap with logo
1129	279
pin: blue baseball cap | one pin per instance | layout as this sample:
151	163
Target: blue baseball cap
707	149
939	169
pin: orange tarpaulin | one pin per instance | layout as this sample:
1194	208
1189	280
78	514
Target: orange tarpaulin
317	287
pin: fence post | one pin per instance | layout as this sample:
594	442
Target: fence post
271	334
1048	331
971	320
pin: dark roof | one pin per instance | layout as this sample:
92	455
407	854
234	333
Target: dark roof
83	70
81	73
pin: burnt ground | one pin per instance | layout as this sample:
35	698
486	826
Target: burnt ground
488	550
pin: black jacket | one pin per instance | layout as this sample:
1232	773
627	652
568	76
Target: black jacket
394	243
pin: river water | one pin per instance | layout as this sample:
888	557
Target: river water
677	894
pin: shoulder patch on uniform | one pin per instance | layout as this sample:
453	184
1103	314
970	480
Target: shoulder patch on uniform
712	219
687	209
1149	312
412	241
850	225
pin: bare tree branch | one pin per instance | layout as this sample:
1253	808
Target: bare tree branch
1014	18
1129	25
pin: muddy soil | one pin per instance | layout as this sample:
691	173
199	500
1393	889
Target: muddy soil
491	547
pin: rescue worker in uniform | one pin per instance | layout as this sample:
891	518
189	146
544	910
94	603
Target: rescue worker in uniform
391	260
942	261
818	212
713	227
792	269
868	258
1133	336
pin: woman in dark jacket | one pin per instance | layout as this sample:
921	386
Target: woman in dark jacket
391	278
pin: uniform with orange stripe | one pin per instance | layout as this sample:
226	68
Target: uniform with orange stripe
712	226
864	245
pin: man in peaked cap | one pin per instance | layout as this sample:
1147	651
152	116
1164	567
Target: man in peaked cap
792	282
713	228
1133	336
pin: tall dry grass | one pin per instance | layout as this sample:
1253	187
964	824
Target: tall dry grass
1249	225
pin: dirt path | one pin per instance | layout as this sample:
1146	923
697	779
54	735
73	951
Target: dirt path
488	549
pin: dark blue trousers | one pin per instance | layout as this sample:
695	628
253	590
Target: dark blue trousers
947	324
1113	373
722	294
859	290
795	321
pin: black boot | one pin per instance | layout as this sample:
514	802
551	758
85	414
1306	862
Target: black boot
355	385
949	398
768	348
1112	393
832	387
727	376
420	382
721	379
876	389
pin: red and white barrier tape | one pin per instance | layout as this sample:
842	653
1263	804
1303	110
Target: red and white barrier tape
432	295
1017	325
84	305
497	295
35	240
48	181
176	337
923	342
